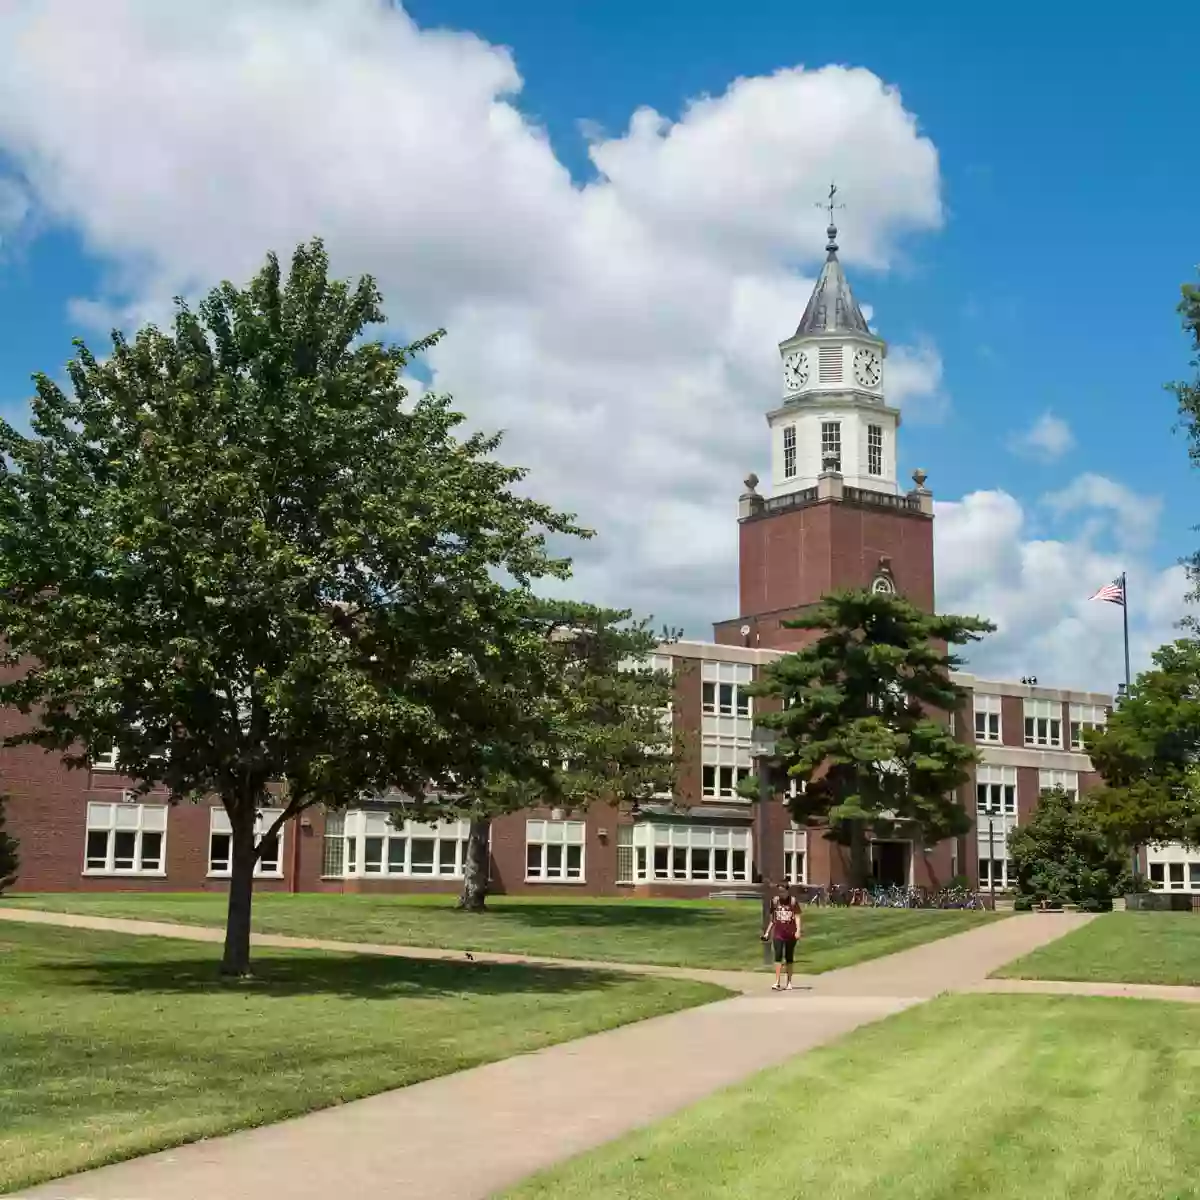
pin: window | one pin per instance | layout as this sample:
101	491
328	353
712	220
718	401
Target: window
554	850
1085	716
1174	866
725	699
373	845
874	449
996	790
333	858
125	839
831	445
1067	780
987	718
999	871
1043	723
789	452
721	782
106	760
220	844
691	854
795	856
624	854
829	364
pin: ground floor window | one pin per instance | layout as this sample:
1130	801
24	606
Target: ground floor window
795	856
624	854
220	844
364	842
1174	867
125	839
554	850
1001	870
691	854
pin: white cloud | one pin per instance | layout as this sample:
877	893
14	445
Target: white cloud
989	563
1047	439
913	380
622	332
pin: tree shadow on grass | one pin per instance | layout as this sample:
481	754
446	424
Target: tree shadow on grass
363	977
651	918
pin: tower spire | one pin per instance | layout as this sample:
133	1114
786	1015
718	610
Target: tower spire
831	232
832	307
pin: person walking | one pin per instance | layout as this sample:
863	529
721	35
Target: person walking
783	930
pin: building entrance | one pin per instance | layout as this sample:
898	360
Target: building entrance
889	863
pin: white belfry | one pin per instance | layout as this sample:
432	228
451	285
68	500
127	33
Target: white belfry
833	418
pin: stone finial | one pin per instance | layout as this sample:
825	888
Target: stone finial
919	476
751	482
829	464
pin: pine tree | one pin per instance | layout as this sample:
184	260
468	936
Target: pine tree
862	723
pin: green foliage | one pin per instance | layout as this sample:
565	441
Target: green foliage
8	854
1187	395
860	721
240	552
1148	751
1062	856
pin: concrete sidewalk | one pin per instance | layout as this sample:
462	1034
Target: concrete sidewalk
534	1110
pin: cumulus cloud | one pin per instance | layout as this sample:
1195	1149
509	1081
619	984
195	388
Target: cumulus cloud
913	382
622	330
1047	439
992	562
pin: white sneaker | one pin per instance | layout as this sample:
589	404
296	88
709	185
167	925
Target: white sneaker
775	987
788	988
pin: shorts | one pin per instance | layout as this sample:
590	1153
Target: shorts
785	950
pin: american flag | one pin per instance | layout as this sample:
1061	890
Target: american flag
1113	592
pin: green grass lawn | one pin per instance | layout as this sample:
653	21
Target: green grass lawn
714	934
113	1046
1043	1098
1124	947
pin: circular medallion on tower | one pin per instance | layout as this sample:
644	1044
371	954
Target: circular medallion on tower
883	585
795	370
867	368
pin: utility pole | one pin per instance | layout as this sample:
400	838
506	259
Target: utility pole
992	857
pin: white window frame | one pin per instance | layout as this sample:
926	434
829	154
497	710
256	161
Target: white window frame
219	826
1067	780
545	837
680	861
1006	877
719	781
1166	860
995	790
723	690
625	854
789	452
125	818
795	856
831	443
1043	724
990	729
360	826
875	450
727	729
106	761
1085	716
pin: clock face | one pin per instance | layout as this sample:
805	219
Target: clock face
883	585
795	370
867	368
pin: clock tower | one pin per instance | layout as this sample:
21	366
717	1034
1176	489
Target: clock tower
834	515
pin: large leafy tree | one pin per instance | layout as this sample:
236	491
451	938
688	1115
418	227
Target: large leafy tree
607	736
861	719
241	554
1148	754
8	854
1062	856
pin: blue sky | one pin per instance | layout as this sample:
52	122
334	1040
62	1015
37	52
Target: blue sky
1068	182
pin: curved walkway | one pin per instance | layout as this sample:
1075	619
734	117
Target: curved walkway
472	1134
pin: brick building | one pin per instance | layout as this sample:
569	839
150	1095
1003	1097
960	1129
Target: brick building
835	517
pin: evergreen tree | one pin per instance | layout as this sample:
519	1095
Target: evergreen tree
1062	856
604	716
241	554
8	854
862	724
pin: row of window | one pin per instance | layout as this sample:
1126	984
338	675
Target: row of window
996	787
831	448
1043	721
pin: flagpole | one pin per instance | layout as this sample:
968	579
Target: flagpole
1125	629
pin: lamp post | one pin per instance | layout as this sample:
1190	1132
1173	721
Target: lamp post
992	856
763	751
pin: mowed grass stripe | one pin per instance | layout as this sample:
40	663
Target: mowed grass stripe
1045	1098
1125	947
719	935
114	1046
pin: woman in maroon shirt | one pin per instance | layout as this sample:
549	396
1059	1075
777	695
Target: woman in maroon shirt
784	931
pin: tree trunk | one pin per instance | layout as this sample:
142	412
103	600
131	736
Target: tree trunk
476	865
236	961
860	868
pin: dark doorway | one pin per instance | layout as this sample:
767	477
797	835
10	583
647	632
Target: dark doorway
889	863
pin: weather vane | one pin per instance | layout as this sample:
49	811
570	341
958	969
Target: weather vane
829	204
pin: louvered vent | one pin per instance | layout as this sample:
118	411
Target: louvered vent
830	364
